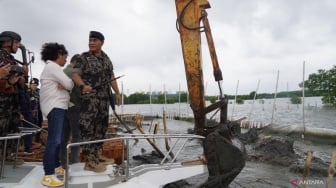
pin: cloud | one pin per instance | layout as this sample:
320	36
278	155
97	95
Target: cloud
253	39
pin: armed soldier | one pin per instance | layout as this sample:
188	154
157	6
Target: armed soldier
9	98
93	73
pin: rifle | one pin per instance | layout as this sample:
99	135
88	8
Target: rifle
107	82
24	56
112	103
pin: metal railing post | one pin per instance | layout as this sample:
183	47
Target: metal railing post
17	151
170	150
66	167
127	159
3	159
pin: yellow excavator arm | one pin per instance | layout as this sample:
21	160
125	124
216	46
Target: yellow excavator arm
190	15
224	160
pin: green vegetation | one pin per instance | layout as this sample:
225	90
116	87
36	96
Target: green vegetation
323	83
144	98
212	99
296	100
239	100
283	94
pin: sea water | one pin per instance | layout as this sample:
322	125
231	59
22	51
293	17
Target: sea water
276	111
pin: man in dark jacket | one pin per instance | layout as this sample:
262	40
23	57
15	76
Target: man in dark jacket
26	112
34	96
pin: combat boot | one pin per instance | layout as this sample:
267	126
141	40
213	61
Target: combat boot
92	164
59	171
11	160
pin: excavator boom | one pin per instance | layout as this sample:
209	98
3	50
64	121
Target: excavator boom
189	29
190	15
225	161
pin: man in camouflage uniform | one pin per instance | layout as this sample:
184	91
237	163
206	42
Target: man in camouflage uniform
9	98
93	73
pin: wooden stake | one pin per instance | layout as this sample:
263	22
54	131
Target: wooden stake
139	127
166	132
303	101
307	167
331	170
156	129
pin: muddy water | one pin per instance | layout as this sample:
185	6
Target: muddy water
254	174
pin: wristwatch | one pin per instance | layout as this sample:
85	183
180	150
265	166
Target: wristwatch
81	86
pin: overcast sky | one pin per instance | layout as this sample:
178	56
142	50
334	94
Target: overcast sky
254	39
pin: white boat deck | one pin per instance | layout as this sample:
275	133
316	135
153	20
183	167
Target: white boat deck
29	175
146	176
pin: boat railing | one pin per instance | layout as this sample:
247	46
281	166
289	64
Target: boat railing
126	138
13	136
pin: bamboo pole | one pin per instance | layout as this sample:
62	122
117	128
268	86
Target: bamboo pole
331	171
166	132
275	96
234	102
156	129
303	101
150	100
287	96
122	97
179	101
139	127
307	167
165	96
254	98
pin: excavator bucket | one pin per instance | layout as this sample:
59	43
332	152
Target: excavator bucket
224	160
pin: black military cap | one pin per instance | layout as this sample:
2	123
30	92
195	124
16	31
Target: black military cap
96	34
9	35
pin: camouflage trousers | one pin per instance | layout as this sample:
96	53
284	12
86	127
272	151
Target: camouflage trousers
93	122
